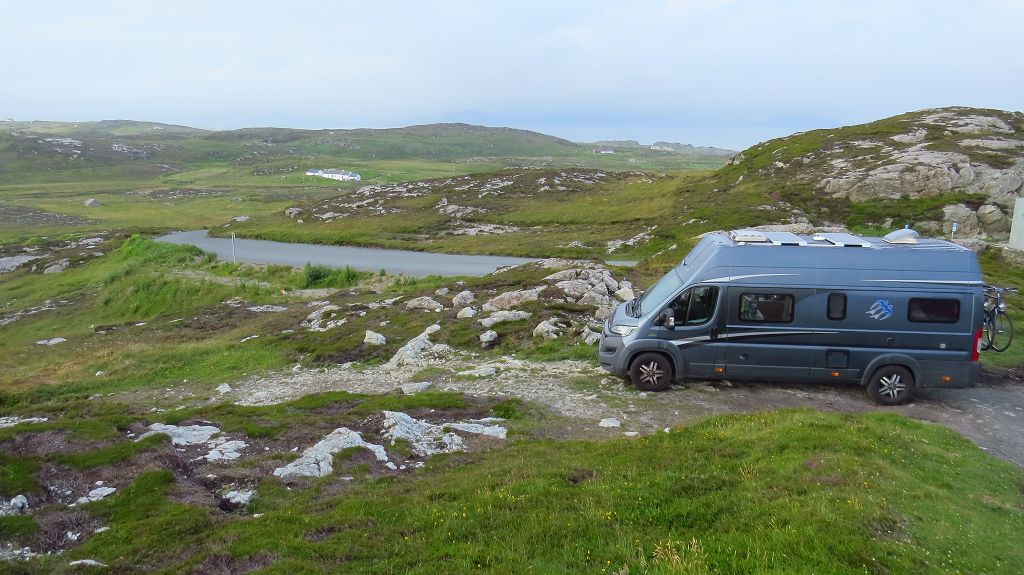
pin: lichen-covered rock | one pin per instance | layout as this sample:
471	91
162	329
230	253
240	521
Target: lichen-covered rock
509	300
502	316
374	338
424	303
463	298
466	312
549	329
414	347
317	461
488	339
574	288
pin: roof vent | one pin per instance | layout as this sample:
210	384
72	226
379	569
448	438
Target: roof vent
905	236
844	240
747	236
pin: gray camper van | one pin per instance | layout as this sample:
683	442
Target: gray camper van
893	314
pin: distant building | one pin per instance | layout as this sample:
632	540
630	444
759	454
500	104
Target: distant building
333	174
663	148
603	151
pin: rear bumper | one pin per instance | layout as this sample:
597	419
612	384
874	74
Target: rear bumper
948	374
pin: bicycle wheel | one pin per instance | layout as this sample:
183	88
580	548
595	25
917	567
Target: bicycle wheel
986	333
1002	334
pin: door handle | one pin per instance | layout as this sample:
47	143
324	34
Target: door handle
714	333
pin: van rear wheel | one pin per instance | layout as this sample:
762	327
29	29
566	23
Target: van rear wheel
891	385
651	372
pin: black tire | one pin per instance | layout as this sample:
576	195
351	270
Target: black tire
651	372
891	385
1002	334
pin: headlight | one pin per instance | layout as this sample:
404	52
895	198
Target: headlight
622	330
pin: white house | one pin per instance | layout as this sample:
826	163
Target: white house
333	174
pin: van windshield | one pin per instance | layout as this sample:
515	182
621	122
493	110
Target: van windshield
666	286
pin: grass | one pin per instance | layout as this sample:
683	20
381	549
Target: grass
827	493
321	276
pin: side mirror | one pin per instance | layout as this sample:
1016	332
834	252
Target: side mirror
666	318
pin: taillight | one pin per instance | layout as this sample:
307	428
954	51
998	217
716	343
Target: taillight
976	354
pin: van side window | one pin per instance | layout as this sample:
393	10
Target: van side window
695	306
766	307
933	310
837	306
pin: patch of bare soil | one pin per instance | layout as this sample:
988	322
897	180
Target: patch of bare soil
226	564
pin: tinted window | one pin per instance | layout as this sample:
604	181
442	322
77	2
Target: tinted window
767	307
669	283
933	310
695	306
836	306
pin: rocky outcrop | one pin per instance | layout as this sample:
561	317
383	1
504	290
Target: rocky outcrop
414	347
424	303
318	461
509	300
503	316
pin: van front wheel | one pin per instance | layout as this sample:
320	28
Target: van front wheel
891	385
651	372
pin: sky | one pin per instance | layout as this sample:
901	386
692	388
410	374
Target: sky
714	72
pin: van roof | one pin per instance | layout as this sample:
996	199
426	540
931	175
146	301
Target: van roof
753	256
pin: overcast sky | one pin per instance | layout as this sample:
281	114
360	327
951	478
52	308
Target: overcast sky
722	73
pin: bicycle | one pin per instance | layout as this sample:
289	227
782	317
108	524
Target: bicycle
997	324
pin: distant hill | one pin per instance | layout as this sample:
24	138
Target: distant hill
929	168
140	150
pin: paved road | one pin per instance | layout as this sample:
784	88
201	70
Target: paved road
417	264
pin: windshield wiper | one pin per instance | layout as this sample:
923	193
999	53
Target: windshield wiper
633	307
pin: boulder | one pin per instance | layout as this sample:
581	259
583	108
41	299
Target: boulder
549	329
485	371
589	336
93	203
574	288
624	294
974	244
374	338
416	387
502	316
414	347
596	299
16	506
318	461
466	312
463	298
993	220
57	267
488	339
292	212
964	217
513	299
441	291
564	275
424	303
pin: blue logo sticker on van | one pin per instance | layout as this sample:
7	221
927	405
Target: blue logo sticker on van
880	310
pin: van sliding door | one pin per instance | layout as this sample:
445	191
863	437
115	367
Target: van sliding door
765	337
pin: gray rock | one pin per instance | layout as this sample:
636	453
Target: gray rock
414	388
374	338
596	299
86	563
463	298
488	338
549	329
624	294
486	371
509	300
589	337
318	461
93	203
95	495
57	267
429	439
16	506
424	303
503	316
51	341
13	262
223	388
414	347
323	319
564	275
466	312
236	499
441	291
609	422
960	214
182	435
574	288
292	212
993	220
